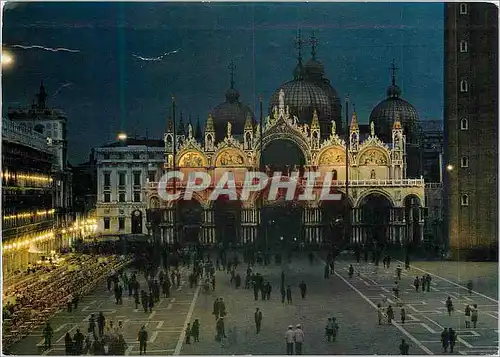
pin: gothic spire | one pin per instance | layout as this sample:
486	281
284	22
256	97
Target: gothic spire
354	120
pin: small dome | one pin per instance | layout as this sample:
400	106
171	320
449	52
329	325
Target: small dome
303	97
383	116
231	111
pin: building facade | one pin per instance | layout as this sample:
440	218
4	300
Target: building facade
52	124
382	202
28	214
123	169
471	126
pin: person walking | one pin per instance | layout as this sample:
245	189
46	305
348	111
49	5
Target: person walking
48	332
258	319
452	338
188	334
329	329
288	294
403	315
404	347
351	271
101	322
143	340
416	284
380	314
473	315
428	282
289	340
303	289
283	294
299	339
467	314
68	344
195	330
398	272
449	306
79	338
395	289
390	314
445	339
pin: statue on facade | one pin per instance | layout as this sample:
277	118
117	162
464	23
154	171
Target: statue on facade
372	129
334	127
282	99
229	126
190	131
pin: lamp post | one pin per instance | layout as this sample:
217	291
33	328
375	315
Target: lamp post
174	152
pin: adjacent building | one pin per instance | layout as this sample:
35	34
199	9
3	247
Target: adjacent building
52	124
123	170
28	214
471	127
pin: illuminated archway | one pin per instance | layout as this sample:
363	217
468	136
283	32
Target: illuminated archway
189	221
282	155
227	219
375	209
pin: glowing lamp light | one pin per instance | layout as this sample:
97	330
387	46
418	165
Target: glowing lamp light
281	238
449	167
7	59
122	136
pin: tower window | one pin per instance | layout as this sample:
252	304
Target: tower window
464	200
464	124
463	46
464	86
464	161
463	9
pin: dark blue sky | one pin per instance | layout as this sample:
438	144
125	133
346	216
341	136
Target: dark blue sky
111	89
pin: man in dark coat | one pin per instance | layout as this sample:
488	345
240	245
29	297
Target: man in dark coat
268	290
143	339
289	294
256	291
283	294
303	289
79	338
445	339
48	332
258	319
216	310
101	322
404	347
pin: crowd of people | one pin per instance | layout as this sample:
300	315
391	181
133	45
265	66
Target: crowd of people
38	296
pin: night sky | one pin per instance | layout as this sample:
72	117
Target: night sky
104	86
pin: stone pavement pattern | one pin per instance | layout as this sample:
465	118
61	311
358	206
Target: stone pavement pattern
359	330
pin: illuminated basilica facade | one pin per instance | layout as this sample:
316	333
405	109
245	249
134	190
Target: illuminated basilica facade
382	201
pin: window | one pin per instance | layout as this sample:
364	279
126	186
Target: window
107	196
121	223
464	124
465	161
465	200
121	179
152	176
464	86
121	197
107	179
334	175
137	178
463	9
137	196
463	46
106	222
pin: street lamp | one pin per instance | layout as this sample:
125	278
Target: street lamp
7	59
449	167
122	136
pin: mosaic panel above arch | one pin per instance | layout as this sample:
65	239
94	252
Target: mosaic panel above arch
192	158
332	156
372	156
230	158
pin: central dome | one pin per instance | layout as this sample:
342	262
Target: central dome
303	97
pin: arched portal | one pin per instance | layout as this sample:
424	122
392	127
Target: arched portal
282	155
189	220
334	216
281	225
412	206
227	219
375	219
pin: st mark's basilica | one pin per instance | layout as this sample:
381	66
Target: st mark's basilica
306	129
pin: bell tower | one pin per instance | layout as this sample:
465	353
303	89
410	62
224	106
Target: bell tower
398	152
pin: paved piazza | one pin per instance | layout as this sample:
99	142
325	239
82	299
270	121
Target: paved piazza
351	300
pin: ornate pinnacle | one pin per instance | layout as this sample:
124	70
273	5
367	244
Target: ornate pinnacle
209	125
315	120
